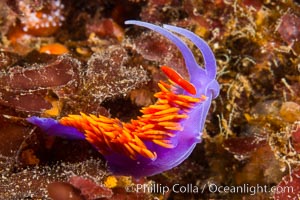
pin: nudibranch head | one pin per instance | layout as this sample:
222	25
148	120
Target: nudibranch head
167	132
202	78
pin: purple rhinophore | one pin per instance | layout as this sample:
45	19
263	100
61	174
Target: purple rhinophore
203	78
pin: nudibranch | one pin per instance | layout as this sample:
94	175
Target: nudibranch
167	132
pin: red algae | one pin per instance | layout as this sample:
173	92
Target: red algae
12	135
289	187
62	190
25	88
296	137
89	189
289	28
249	144
44	181
106	28
109	69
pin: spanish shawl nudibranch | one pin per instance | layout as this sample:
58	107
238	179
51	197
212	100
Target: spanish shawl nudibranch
167	132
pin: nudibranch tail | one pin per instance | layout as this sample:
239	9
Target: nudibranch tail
53	127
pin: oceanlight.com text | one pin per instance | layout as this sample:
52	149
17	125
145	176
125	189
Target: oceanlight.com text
211	188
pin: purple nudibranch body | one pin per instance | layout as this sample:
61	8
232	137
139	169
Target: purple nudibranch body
166	133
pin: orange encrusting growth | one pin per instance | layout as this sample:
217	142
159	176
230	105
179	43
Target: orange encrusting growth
158	124
54	49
